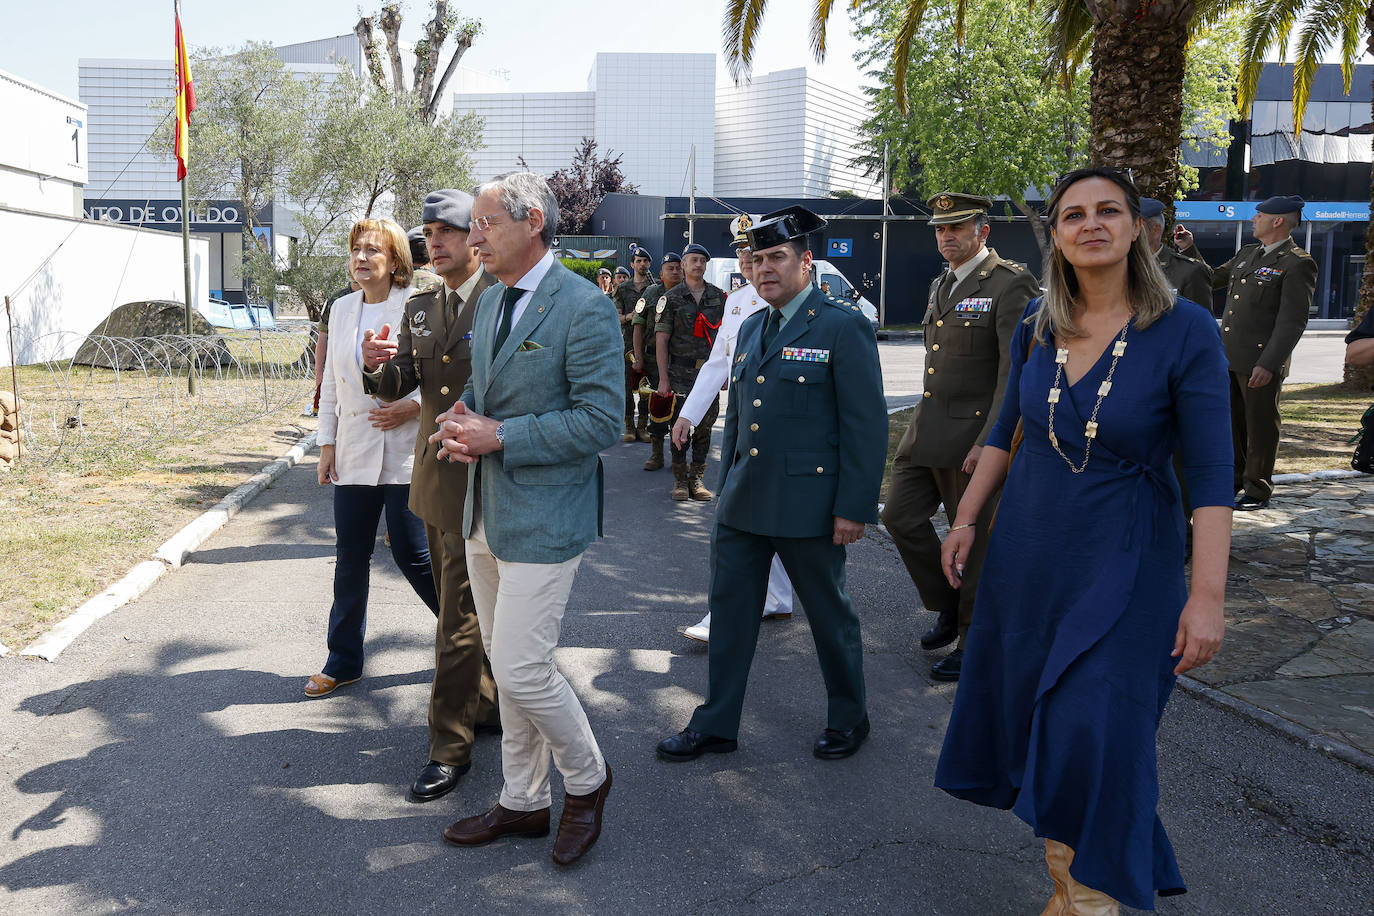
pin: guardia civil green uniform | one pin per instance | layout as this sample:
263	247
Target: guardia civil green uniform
968	327
691	323
1268	295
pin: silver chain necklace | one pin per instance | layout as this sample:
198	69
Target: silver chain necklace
1061	358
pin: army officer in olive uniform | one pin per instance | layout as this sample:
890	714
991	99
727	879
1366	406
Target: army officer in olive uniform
973	310
644	341
626	296
1269	287
1190	279
433	349
801	465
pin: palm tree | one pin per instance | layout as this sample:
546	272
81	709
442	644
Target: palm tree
1324	23
1138	50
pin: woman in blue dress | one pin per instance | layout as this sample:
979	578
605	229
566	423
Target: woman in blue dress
1083	619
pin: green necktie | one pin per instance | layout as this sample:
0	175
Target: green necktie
508	300
770	327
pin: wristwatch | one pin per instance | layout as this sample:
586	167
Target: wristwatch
501	433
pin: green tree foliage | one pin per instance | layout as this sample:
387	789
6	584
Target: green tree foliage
980	118
328	150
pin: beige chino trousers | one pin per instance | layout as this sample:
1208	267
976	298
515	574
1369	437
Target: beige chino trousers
520	610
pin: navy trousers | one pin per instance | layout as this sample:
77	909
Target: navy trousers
357	511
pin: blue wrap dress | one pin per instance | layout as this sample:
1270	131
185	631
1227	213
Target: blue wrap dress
1067	664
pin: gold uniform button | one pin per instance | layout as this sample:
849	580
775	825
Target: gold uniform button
927	394
934	346
753	451
940	323
820	470
759	380
758	403
414	352
966	324
801	378
447	358
1242	279
1226	329
443	390
930	371
977	413
753	427
1237	296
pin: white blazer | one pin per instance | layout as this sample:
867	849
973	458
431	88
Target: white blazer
715	372
363	454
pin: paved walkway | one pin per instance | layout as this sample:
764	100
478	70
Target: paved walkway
1300	610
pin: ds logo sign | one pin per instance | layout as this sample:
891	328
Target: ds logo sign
840	248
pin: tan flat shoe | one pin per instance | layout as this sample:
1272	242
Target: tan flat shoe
322	685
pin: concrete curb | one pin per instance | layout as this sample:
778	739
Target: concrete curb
1287	728
171	555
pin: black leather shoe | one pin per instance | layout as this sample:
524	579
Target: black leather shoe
689	745
947	668
437	780
945	631
837	745
1251	503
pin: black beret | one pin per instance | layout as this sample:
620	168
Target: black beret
1150	208
638	252
449	206
416	235
1280	205
603	271
696	248
781	226
623	271
672	257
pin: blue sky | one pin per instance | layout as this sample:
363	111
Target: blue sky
545	46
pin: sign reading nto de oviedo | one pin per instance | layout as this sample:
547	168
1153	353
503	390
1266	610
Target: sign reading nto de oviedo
213	216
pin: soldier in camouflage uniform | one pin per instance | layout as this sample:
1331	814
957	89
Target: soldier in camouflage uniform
687	321
626	296
646	350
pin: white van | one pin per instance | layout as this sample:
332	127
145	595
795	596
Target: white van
725	273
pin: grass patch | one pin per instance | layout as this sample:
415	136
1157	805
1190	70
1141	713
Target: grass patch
1317	422
79	523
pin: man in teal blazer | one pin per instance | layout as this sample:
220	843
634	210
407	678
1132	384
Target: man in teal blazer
546	395
801	467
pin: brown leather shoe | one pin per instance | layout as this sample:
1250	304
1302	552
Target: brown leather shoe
580	824
481	829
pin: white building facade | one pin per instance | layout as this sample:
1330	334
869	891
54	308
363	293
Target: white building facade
44	154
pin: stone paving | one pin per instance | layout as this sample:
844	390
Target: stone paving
1300	610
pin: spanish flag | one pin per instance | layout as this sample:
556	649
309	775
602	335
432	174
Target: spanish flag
186	99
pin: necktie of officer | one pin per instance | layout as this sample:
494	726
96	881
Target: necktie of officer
508	300
946	288
770	327
451	305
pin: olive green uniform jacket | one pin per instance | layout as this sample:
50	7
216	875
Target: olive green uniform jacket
1190	279
436	355
1267	298
968	338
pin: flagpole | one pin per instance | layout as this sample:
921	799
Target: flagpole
185	240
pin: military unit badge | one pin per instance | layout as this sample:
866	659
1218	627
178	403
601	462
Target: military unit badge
662	304
944	202
639	307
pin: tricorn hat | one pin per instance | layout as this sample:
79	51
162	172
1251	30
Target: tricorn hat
783	226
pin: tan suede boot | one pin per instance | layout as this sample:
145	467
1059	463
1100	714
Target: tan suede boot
642	420
655	461
629	434
695	486
681	492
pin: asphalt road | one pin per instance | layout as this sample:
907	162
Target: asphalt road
167	761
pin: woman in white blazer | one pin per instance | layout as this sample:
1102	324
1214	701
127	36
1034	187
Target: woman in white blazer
367	449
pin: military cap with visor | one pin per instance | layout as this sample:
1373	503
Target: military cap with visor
449	206
740	226
782	226
948	208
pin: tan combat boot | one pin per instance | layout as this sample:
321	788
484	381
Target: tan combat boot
642	420
655	461
695	486
681	492
629	434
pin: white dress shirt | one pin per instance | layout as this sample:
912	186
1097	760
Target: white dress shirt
528	282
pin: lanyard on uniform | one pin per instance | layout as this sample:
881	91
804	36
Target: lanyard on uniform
704	327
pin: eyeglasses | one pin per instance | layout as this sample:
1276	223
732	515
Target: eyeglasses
483	222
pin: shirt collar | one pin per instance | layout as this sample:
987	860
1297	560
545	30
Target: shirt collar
961	273
464	289
530	281
791	307
1269	249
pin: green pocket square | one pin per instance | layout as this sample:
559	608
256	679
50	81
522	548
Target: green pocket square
529	346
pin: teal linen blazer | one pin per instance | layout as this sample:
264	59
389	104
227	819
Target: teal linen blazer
558	385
